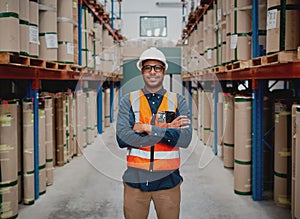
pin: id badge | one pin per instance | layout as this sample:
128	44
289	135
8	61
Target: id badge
161	117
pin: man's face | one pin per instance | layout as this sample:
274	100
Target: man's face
153	74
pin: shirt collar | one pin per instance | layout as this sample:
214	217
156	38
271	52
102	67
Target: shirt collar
161	92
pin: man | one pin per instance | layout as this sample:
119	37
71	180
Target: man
152	124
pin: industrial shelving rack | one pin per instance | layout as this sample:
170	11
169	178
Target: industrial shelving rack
257	75
35	70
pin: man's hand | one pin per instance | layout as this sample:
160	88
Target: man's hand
181	122
142	128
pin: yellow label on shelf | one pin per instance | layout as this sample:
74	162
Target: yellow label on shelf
5	120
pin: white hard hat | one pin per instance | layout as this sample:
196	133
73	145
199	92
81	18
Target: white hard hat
153	54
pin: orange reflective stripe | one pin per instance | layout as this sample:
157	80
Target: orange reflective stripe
159	165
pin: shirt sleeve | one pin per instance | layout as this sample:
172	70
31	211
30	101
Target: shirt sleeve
177	137
125	135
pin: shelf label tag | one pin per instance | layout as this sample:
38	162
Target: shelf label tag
34	34
209	54
98	60
70	48
233	43
272	19
51	41
219	14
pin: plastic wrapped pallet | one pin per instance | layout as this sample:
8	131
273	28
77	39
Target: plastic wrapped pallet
242	145
9	21
8	158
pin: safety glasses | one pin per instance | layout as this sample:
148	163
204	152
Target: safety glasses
148	68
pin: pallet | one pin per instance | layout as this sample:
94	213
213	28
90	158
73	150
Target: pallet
276	58
14	59
218	69
238	65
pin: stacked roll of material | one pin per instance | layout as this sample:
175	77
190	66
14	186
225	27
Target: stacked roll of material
240	30
98	44
75	30
293	150
28	152
79	122
48	30
297	166
210	43
70	126
221	32
228	124
87	39
282	155
9	159
220	123
42	148
9	21
200	110
90	116
212	119
66	129
65	32
49	139
195	109
34	28
283	31
84	124
19	134
242	145
206	125
24	27
60	107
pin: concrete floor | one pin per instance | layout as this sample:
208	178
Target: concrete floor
90	187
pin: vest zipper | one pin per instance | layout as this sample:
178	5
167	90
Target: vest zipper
151	158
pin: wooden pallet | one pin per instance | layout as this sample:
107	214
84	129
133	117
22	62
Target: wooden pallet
276	58
219	69
239	65
14	59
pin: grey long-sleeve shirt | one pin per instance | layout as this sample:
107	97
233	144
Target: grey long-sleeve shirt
127	137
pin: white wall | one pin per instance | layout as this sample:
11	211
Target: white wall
133	9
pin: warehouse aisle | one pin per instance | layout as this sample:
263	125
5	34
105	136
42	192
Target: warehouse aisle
89	187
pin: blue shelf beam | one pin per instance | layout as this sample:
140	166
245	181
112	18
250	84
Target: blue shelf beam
190	100
79	32
216	99
257	140
112	86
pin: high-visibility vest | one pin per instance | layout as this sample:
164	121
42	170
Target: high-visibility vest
160	156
